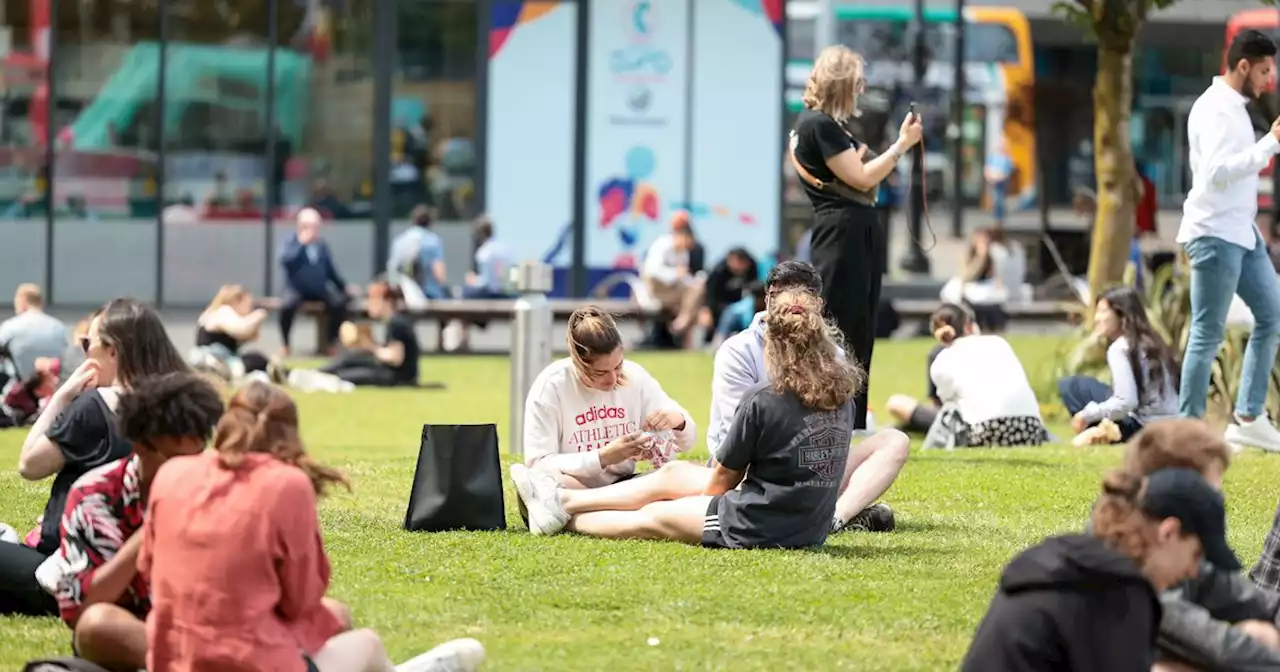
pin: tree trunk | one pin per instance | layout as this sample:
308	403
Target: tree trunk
1113	165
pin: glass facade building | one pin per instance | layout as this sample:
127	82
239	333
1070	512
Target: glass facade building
150	115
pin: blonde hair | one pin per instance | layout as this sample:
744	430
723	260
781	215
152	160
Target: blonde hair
227	295
802	353
1117	519
834	82
262	418
592	333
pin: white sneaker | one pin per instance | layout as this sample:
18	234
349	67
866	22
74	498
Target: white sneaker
1257	434
540	493
459	655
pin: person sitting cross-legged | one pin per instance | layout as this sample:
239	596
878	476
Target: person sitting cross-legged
739	366
787	448
94	573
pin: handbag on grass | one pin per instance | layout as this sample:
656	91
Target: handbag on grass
458	482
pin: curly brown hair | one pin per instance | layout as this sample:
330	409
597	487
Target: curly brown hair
835	82
1117	519
802	353
262	418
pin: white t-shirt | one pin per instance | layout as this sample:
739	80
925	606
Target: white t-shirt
566	422
983	376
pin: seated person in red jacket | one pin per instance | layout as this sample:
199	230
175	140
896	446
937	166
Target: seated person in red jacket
94	573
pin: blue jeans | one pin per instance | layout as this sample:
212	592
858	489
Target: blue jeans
1220	270
1078	391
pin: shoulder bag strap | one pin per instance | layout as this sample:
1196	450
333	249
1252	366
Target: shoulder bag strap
836	186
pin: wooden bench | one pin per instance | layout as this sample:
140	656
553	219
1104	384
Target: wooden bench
1023	311
443	311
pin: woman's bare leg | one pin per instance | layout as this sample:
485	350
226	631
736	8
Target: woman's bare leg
353	651
901	406
673	481
676	520
112	637
872	467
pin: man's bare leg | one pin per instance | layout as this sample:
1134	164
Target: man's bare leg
111	637
673	481
871	469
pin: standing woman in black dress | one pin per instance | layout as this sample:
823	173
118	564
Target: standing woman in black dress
841	177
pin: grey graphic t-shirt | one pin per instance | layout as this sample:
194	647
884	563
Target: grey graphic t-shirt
794	458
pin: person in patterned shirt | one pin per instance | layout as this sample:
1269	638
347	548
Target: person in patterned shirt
94	573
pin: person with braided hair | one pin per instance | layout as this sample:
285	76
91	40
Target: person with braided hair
94	572
247	509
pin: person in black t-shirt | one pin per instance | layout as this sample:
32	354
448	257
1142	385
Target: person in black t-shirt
787	448
394	363
77	433
841	177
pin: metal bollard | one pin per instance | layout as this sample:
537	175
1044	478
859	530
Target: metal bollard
531	327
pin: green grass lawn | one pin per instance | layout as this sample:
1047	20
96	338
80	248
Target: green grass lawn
900	601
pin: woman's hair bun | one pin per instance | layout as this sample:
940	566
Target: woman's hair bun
1123	484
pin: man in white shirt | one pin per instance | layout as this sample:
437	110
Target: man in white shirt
667	276
1224	246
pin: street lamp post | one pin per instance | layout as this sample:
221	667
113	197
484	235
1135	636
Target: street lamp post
916	261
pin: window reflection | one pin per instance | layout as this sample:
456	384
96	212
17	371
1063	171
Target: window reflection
433	107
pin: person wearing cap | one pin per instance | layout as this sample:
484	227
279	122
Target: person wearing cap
1087	602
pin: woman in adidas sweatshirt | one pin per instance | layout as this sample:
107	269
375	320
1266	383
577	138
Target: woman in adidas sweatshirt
590	417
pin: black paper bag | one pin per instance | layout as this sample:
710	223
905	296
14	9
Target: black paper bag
458	482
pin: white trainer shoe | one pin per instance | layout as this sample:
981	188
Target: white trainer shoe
1257	434
540	493
459	655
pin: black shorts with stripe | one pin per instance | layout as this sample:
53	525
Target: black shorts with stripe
712	537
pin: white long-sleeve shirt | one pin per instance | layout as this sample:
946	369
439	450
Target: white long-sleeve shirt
663	261
1157	404
566	423
1225	158
982	375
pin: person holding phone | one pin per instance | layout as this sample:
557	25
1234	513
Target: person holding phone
841	176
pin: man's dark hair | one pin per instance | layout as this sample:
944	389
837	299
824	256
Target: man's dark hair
421	216
793	274
1250	45
170	406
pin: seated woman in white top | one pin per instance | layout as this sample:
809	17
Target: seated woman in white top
223	328
587	415
980	377
1144	371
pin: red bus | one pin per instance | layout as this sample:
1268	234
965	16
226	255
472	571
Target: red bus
1266	20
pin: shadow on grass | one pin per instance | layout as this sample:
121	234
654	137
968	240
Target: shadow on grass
881	552
1010	461
926	526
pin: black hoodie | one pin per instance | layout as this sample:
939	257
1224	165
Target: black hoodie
1068	603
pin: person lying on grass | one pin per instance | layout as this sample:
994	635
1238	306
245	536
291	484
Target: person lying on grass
1219	620
787	447
587	414
94	573
739	367
1089	602
237	566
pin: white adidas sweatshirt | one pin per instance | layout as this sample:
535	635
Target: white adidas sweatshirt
566	423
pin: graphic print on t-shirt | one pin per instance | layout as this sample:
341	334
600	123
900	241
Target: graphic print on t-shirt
596	426
822	447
